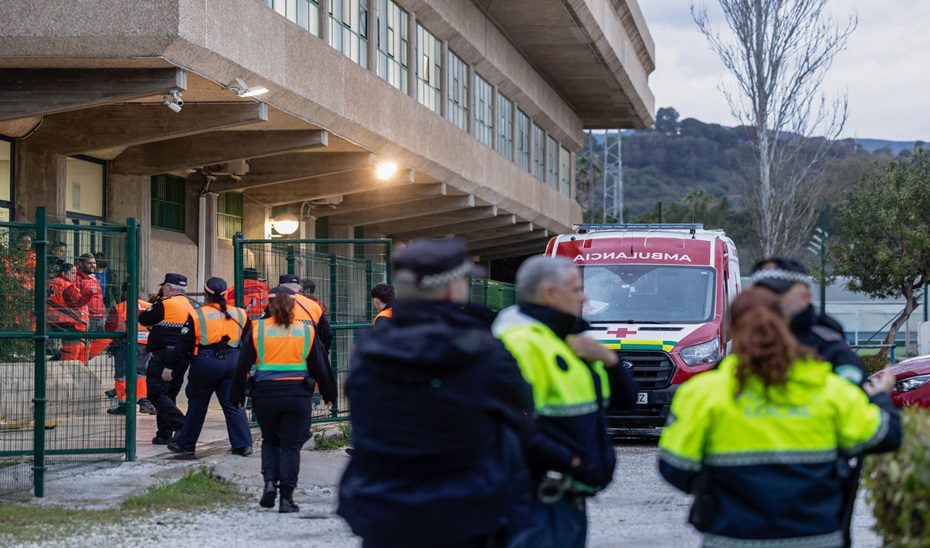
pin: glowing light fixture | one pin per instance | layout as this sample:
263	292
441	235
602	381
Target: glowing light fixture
385	170
286	224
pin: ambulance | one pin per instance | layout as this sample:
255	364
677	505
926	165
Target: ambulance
657	294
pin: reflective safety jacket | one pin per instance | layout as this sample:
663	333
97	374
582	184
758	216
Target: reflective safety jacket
66	305
763	464
88	282
570	396
281	352
386	312
212	327
254	297
307	310
117	320
165	319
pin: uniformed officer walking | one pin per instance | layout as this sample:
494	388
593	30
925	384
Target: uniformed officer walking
282	358
789	281
382	300
210	342
165	320
305	309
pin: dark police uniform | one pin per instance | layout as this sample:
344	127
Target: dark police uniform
213	340
283	363
165	320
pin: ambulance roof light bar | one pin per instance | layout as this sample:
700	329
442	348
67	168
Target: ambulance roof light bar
588	227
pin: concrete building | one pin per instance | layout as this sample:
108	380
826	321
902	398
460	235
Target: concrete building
398	118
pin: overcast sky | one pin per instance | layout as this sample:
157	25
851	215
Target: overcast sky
885	69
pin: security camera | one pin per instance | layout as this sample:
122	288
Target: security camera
173	100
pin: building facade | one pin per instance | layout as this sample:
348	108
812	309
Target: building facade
373	118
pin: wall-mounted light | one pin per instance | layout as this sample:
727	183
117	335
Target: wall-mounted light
240	88
385	170
285	224
173	100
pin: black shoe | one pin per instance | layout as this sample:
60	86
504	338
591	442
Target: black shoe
120	409
175	448
268	496
160	441
286	503
242	451
145	406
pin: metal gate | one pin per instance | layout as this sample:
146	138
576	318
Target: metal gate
339	273
53	409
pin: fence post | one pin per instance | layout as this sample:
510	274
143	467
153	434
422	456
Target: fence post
334	314
39	397
132	334
237	269
388	267
290	259
369	274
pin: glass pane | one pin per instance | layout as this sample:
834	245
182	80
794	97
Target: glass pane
84	193
6	170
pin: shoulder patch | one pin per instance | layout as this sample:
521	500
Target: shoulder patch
185	330
826	334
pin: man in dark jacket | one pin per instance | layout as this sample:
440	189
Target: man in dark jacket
438	410
573	378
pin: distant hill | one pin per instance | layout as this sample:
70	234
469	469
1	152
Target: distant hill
896	147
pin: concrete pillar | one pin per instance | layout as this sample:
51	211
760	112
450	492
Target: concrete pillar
207	238
39	181
131	196
412	54
444	80
325	6
338	232
256	225
374	30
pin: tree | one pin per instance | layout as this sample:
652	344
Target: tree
667	121
778	51
885	234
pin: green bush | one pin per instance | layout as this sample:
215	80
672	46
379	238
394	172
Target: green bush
899	485
874	362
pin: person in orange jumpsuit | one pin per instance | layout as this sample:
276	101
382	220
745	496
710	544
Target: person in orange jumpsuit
254	294
116	321
67	311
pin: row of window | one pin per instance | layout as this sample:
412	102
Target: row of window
170	213
533	151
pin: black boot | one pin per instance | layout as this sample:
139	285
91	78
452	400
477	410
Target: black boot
271	492
286	504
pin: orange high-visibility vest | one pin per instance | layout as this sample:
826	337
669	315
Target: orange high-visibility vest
143	333
211	325
60	311
305	309
177	309
386	312
281	352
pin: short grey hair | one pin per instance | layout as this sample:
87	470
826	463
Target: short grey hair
175	287
539	271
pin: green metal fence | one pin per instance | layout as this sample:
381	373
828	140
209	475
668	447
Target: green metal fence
343	272
493	294
53	409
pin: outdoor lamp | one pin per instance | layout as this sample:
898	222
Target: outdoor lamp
244	90
385	170
286	224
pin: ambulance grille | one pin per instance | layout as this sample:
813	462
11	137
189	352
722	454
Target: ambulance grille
650	369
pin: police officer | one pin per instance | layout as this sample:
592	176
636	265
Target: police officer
382	299
573	378
210	341
788	280
285	358
305	309
165	320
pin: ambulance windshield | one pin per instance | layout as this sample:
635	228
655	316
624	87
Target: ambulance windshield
648	294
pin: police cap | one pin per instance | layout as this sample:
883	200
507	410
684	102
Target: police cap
288	279
437	262
175	279
779	274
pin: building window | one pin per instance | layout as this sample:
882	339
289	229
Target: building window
305	13
392	45
348	25
86	181
552	163
523	140
504	126
228	215
6	179
168	199
539	153
458	91
429	69
484	111
565	171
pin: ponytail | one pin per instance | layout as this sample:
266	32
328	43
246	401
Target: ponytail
762	341
220	299
281	308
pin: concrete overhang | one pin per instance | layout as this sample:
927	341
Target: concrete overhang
597	54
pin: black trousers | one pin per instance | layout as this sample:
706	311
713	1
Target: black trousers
285	425
164	396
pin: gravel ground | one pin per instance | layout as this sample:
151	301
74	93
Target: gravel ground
639	509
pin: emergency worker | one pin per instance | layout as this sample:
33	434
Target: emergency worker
165	320
308	290
438	409
285	358
96	310
382	299
210	341
67	311
756	441
789	281
570	452
116	321
20	267
254	293
305	310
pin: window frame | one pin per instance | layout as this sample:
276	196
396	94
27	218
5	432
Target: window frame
387	58
221	213
103	190
429	89
505	126
484	108
339	30
183	204
522	157
457	73
538	152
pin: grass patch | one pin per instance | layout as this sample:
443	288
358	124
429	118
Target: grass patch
332	442
198	489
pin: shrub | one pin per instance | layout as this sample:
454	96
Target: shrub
899	485
875	362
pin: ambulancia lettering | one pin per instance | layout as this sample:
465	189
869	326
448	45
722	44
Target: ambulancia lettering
640	255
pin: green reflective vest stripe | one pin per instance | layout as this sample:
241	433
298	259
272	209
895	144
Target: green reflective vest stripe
204	325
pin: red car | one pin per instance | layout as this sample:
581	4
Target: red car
913	382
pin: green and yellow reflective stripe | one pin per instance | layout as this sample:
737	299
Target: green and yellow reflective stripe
261	342
753	458
281	366
679	461
306	340
876	438
568	410
620	344
204	339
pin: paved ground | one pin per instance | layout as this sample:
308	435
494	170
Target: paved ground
639	509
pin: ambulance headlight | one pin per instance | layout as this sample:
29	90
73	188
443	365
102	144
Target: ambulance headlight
911	383
705	353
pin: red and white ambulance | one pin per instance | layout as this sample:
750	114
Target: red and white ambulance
658	295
